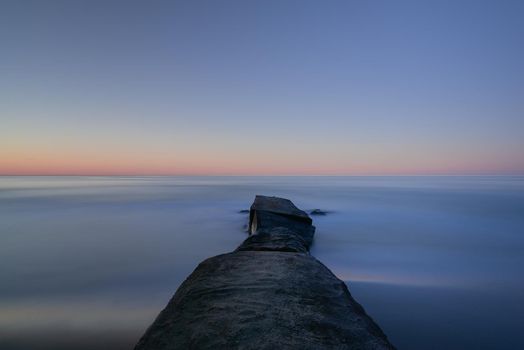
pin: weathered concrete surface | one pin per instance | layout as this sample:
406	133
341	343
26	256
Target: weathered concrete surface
276	239
268	294
280	206
270	213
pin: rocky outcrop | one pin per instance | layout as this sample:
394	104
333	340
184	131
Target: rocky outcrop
270	293
317	212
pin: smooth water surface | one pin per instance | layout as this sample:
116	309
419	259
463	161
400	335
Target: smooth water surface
88	262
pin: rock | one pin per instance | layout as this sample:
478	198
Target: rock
270	293
317	212
271	212
278	206
277	239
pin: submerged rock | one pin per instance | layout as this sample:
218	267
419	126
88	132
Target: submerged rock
270	293
317	212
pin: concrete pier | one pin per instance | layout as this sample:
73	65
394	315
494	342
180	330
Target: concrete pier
270	293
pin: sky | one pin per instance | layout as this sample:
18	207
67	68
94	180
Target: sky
365	87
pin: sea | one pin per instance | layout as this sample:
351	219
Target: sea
88	262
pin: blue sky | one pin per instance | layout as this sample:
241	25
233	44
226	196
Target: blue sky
261	87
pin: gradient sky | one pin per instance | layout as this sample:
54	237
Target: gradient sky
261	87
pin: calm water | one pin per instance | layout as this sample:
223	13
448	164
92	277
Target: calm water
88	262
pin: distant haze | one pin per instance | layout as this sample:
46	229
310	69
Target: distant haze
261	87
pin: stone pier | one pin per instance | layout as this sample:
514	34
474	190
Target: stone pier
269	293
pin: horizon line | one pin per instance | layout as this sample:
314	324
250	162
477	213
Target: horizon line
263	175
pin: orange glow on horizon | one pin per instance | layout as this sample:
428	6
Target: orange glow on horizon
38	159
32	165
